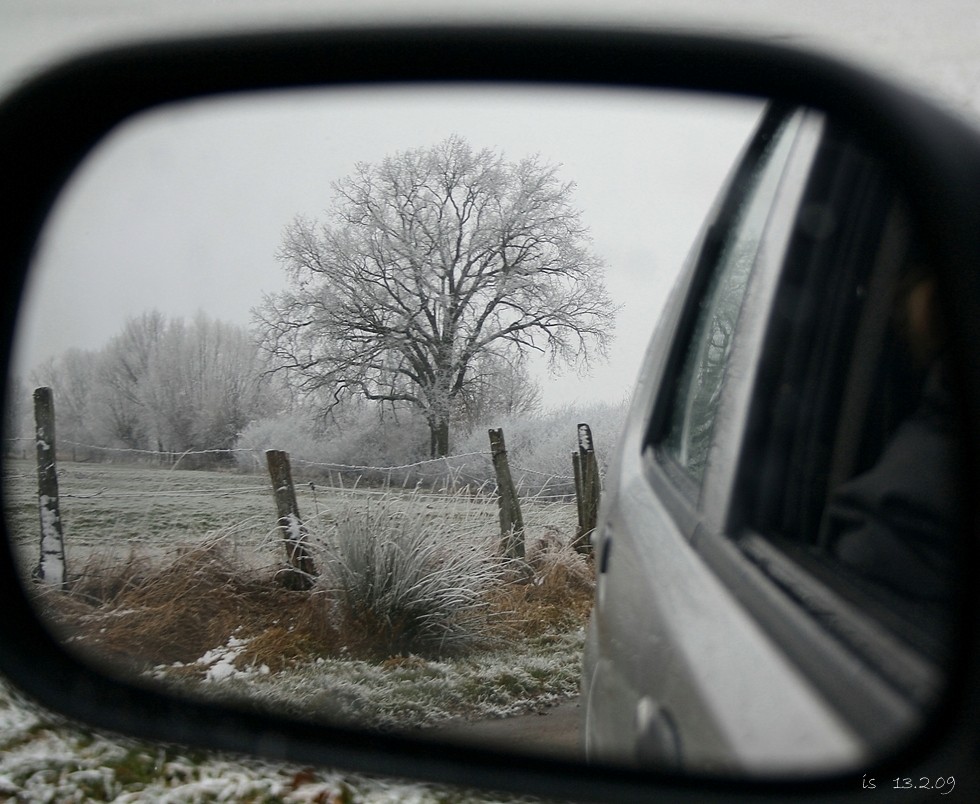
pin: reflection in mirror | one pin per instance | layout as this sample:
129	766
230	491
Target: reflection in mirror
269	337
807	399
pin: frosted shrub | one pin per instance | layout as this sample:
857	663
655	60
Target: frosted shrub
354	438
359	446
406	580
364	438
539	447
292	433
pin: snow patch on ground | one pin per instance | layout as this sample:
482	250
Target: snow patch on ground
44	759
218	664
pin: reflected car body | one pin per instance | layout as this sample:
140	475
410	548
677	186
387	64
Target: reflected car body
730	631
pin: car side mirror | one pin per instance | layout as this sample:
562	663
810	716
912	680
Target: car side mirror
148	100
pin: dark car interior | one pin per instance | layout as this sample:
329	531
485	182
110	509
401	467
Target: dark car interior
848	372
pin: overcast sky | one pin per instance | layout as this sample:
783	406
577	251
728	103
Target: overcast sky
183	211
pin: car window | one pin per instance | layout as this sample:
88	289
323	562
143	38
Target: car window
840	533
698	388
853	466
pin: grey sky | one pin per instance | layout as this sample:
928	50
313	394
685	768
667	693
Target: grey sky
183	211
186	213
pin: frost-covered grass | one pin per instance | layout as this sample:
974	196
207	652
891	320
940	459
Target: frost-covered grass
116	509
414	619
46	759
401	581
401	692
119	508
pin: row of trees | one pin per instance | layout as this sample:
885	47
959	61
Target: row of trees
162	384
437	273
172	386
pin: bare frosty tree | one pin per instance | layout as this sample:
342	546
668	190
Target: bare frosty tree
434	260
203	384
124	365
162	384
496	387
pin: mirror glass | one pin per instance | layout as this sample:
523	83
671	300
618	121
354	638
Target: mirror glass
318	365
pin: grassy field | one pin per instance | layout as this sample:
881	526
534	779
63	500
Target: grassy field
115	509
172	577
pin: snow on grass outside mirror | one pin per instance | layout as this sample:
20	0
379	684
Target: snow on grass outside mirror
44	758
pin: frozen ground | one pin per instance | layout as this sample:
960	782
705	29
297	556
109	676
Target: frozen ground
404	692
111	511
45	759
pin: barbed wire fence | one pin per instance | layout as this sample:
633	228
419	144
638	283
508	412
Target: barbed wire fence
122	508
469	472
121	505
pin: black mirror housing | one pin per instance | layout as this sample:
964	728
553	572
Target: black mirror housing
48	126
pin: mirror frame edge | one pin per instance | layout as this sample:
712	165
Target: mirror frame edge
38	156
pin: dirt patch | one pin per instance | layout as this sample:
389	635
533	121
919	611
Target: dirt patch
554	731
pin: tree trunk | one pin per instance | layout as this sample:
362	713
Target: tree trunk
438	438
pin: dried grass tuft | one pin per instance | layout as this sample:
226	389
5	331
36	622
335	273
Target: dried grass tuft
558	598
398	587
103	579
178	612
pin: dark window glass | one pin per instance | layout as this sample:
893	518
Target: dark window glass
854	470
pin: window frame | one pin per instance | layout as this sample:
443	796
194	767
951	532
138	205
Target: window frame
827	635
758	469
691	502
816	612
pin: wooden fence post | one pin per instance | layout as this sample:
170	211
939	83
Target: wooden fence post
579	495
302	569
586	470
51	567
511	521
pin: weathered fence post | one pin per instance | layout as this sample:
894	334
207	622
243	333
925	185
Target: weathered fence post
51	567
302	569
579	496
586	470
511	521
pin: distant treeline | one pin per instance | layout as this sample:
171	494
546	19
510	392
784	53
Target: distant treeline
165	390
